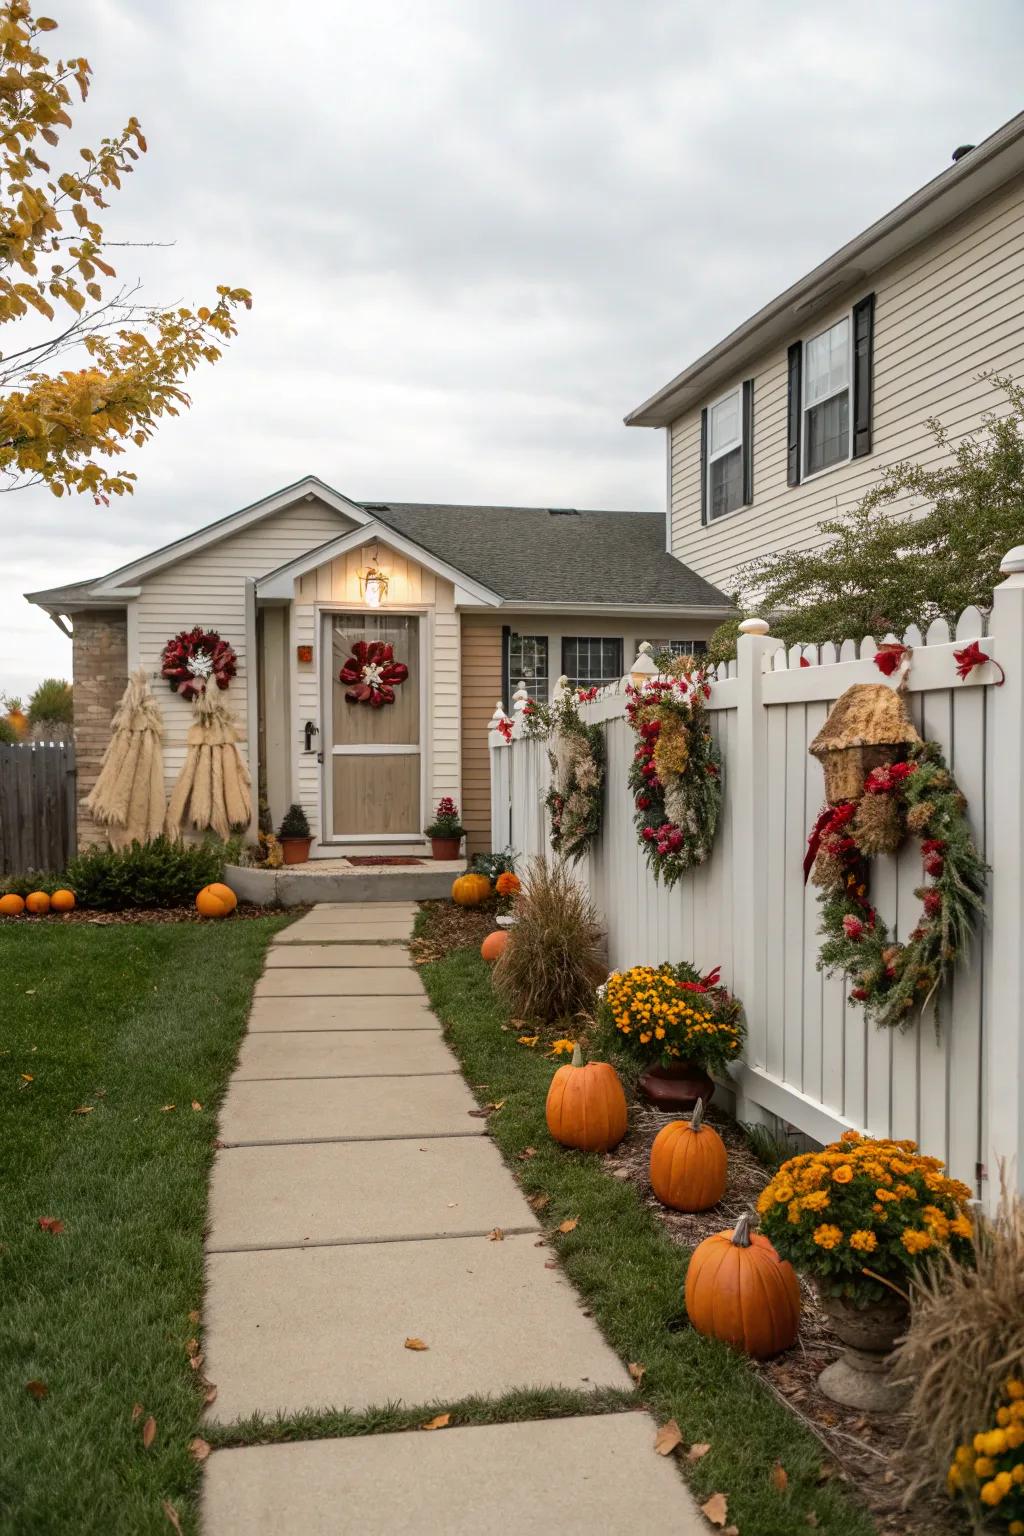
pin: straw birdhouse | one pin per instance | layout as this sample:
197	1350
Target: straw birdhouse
867	728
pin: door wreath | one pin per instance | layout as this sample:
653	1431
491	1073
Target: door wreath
190	659
676	773
371	674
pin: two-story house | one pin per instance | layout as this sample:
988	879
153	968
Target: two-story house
792	417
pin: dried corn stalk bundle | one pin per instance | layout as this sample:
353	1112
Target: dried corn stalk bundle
128	797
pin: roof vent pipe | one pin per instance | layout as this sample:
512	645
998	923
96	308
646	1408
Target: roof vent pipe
960	151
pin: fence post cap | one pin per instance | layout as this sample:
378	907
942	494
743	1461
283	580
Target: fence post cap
1012	563
754	627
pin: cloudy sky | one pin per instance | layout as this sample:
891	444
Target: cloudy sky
478	232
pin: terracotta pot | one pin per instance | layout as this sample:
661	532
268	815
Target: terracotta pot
295	849
860	1377
676	1087
445	847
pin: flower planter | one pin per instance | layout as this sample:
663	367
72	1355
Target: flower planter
295	849
445	847
860	1377
676	1087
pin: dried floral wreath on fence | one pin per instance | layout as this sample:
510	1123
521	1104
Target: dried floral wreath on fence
577	758
676	773
916	795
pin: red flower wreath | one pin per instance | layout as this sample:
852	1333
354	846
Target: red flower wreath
193	657
372	674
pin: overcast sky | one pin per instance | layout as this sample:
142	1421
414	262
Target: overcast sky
477	234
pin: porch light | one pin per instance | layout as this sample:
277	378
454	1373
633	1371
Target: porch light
644	667
374	582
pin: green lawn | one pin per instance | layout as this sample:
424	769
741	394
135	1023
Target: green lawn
631	1275
124	1020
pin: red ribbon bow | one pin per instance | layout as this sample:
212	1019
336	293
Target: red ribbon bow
971	656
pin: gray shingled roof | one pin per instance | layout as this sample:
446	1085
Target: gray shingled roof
540	555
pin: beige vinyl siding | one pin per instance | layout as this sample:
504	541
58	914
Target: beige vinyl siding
208	588
481	687
945	312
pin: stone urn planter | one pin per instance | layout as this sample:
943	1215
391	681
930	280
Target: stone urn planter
860	1377
676	1087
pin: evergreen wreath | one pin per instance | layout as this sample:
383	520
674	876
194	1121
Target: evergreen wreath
577	758
676	773
919	797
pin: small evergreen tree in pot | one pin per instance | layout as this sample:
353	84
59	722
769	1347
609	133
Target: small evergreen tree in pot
445	831
294	835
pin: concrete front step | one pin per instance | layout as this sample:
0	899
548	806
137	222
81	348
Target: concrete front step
343	1053
347	1109
312	956
361	1191
299	885
579	1477
293	1014
295	1328
340	981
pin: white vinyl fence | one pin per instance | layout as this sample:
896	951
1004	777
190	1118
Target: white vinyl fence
811	1059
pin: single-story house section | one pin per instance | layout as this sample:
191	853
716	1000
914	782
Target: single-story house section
473	600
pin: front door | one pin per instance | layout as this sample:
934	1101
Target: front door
373	770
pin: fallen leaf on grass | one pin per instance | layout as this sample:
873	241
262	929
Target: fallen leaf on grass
716	1510
440	1422
667	1438
530	1040
165	1107
136	1412
148	1432
210	1395
36	1389
195	1361
193	1317
527	1153
697	1450
199	1447
477	1114
498	1104
172	1514
538	1202
191	1346
570	1225
551	1264
496	1235
84	1109
780	1478
638	1372
26	1078
416	1344
812	1519
52	1225
196	1104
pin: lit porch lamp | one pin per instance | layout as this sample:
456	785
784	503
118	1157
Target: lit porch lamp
374	582
644	667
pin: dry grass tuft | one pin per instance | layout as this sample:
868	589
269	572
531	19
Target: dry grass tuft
966	1336
555	955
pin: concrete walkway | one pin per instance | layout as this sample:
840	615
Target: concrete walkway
350	1210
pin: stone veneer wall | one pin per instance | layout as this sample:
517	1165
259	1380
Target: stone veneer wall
100	673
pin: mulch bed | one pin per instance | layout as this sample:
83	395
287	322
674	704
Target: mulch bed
244	910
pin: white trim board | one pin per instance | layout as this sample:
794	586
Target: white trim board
281	583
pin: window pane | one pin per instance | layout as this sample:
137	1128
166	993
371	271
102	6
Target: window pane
679	647
589	663
828	433
725	483
827	363
528	664
725	423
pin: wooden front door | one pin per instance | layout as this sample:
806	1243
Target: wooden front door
373	791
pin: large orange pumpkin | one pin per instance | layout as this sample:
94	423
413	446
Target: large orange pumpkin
586	1107
63	901
38	902
688	1162
471	890
11	905
209	904
493	945
225	893
740	1291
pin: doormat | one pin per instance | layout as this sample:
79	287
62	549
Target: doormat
373	858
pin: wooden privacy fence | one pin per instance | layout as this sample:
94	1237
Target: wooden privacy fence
810	1057
37	806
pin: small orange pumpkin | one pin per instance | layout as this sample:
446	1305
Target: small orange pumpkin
225	893
740	1291
38	903
471	890
209	904
493	945
586	1107
63	901
11	905
688	1162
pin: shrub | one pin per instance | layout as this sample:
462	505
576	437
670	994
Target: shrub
494	864
294	823
554	957
159	873
7	732
52	703
724	640
33	880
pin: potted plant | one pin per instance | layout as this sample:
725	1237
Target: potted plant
445	831
682	1024
860	1217
294	835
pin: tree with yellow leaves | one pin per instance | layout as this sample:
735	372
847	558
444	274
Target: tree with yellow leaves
56	424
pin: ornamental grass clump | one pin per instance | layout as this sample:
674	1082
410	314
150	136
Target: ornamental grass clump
862	1216
670	1013
555	954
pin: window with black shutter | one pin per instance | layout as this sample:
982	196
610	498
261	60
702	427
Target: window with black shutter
726	453
829	394
863	374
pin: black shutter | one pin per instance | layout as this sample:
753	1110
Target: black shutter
506	686
748	442
795	404
704	466
863	373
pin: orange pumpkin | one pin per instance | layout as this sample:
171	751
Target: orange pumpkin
225	893
471	890
740	1291
11	906
38	902
209	904
63	901
688	1162
586	1107
493	945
